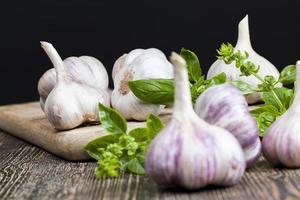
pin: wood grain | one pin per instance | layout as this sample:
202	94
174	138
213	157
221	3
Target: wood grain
28	172
27	121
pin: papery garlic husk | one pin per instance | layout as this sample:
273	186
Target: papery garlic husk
138	64
233	73
225	106
71	102
189	152
86	70
281	143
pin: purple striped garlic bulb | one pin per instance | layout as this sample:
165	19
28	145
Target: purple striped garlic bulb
189	152
233	73
281	143
71	103
225	106
84	69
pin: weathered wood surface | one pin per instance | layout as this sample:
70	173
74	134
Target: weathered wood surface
27	121
28	172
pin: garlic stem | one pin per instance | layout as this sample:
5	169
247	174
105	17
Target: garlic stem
183	103
297	82
56	60
244	35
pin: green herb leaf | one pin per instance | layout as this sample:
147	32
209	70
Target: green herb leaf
135	166
265	116
244	87
155	91
285	96
92	148
193	64
218	79
139	134
288	75
112	120
154	125
201	85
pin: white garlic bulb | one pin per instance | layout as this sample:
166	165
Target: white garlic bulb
281	143
189	152
84	69
138	64
233	73
71	102
225	106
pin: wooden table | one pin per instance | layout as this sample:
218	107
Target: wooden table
28	172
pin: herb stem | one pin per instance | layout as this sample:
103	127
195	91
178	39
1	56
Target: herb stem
278	100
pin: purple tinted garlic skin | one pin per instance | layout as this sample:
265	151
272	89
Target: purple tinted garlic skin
281	143
225	106
189	152
85	70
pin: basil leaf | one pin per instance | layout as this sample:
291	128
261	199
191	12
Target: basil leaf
265	120
112	120
265	116
288	75
135	166
101	142
139	134
265	108
155	91
285	95
193	64
244	87
154	125
218	79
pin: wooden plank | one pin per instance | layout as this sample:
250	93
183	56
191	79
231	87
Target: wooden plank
27	172
27	121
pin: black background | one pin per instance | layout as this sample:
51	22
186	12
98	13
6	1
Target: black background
107	29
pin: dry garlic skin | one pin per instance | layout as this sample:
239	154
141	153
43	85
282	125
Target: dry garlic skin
232	73
225	106
187	155
281	144
189	152
70	104
84	69
138	64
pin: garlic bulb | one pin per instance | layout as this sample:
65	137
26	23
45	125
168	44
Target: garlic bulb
71	102
138	64
225	106
84	69
233	73
281	144
189	152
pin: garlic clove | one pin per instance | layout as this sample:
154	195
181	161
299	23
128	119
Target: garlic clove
138	64
233	73
225	106
281	143
70	103
189	152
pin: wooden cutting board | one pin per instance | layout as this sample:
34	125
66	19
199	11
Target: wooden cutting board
27	121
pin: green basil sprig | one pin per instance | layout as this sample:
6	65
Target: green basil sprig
121	151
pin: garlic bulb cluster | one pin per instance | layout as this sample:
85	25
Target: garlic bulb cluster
84	69
281	144
72	98
138	64
244	44
190	152
225	106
